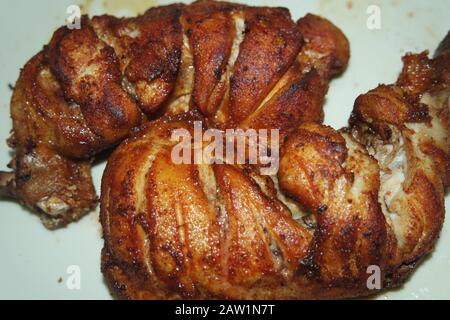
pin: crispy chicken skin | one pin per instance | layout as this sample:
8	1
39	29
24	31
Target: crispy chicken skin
88	89
370	194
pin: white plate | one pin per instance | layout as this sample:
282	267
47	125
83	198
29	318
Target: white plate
34	262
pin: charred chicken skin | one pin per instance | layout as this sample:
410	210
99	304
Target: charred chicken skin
371	194
238	66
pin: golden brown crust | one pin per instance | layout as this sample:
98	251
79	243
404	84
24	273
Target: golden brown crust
412	119
211	31
214	235
47	134
326	47
265	54
88	89
88	72
343	201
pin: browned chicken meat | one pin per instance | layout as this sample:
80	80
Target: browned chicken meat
342	202
239	66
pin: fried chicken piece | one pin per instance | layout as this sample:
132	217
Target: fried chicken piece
239	66
368	195
405	127
47	134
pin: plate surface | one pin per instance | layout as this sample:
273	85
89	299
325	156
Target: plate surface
37	264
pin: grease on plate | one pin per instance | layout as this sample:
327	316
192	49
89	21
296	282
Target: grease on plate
118	7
